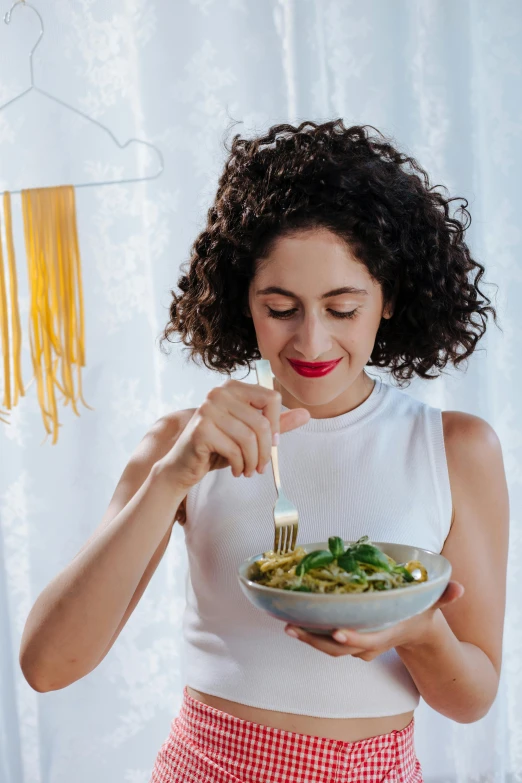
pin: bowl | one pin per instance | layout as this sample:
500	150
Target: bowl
322	613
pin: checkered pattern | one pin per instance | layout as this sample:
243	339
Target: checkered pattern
206	745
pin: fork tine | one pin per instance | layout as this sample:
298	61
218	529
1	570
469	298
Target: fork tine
285	538
288	540
277	539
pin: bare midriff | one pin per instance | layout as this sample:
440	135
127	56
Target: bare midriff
344	729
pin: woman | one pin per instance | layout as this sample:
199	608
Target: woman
324	244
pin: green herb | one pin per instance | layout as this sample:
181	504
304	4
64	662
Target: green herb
317	559
348	563
399	569
366	553
336	546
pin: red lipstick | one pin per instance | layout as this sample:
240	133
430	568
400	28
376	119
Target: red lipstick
313	369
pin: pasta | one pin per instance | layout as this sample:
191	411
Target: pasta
13	329
56	318
362	567
56	321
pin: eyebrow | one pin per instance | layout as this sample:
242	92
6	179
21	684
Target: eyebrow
348	289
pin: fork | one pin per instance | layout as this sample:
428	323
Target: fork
286	518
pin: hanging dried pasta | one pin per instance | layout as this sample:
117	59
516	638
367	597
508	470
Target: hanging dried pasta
56	318
10	328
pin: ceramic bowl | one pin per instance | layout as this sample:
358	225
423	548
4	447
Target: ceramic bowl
372	611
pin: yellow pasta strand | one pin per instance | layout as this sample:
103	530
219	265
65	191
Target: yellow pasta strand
56	312
57	330
36	275
79	321
11	397
16	330
63	254
30	246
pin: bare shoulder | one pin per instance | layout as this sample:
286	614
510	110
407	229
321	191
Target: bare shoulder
477	543
157	441
165	433
471	445
172	423
462	429
473	452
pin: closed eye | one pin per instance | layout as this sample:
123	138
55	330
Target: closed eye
289	313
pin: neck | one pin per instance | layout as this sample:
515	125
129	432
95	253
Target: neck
350	398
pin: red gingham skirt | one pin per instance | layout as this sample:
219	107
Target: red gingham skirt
206	745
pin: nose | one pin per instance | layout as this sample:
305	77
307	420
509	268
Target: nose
312	340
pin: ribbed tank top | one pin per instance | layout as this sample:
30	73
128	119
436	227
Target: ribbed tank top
378	470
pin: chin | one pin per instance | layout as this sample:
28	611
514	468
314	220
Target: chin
314	397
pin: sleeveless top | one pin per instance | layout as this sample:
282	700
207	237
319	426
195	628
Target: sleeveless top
378	470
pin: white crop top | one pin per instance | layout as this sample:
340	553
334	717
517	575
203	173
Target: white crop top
379	470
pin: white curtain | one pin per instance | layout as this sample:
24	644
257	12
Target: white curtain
443	78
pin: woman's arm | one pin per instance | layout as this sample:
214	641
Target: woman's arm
453	650
78	616
456	666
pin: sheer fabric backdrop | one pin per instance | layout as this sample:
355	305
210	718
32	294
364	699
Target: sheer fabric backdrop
444	79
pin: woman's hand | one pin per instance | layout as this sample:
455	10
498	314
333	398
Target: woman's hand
369	645
234	426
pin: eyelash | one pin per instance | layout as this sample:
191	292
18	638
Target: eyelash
287	313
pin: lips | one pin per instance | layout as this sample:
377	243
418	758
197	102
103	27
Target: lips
314	369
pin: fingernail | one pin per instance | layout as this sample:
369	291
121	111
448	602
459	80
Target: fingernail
291	632
340	637
275	439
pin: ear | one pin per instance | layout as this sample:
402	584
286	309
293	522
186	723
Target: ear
389	308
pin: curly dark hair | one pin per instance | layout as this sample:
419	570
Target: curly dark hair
375	198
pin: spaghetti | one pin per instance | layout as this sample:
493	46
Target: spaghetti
10	327
362	567
56	317
56	320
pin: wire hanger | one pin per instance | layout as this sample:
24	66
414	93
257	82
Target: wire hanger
7	20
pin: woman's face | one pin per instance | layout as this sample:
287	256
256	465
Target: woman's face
306	268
